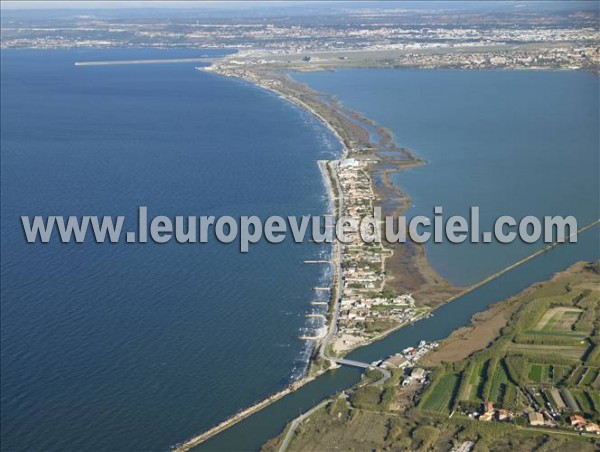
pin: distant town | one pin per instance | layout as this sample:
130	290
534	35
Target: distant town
394	36
524	374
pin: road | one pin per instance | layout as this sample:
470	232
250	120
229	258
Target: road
161	61
332	329
344	362
296	422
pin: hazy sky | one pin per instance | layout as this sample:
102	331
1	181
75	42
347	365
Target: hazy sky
23	4
103	4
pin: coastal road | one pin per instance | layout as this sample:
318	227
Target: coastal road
332	329
296	422
344	362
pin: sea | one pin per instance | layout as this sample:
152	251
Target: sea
140	346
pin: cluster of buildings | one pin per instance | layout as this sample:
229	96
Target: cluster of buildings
490	413
366	305
581	425
408	360
557	402
559	57
409	357
363	264
541	418
390	31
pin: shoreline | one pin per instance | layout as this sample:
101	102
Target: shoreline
412	259
385	140
386	167
310	374
243	414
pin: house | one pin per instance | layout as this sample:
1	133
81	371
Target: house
349	163
396	361
592	428
536	419
417	374
577	421
502	415
488	407
486	417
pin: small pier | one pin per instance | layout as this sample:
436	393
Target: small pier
316	316
319	303
311	338
318	262
321	289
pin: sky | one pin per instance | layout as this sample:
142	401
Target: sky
103	4
90	4
138	4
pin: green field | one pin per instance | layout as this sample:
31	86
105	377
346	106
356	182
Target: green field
577	375
573	352
441	394
560	373
584	400
535	373
547	373
590	376
596	399
475	373
477	380
500	384
562	321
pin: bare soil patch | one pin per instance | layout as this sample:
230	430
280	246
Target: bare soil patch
484	329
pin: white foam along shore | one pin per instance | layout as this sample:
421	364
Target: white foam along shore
187	445
323	165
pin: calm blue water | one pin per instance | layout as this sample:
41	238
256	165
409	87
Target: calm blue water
253	432
140	346
511	142
113	347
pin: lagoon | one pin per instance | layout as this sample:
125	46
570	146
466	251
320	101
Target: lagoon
511	142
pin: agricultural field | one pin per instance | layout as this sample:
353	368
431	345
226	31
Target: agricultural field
590	376
499	384
549	347
559	319
574	352
544	353
477	380
549	373
540	373
585	400
440	396
577	375
585	376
